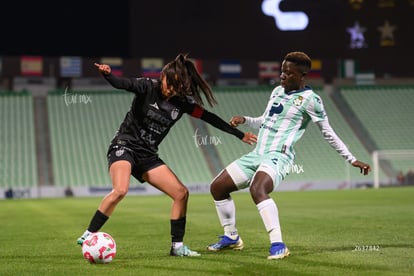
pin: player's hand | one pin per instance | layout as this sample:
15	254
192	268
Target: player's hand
250	138
237	120
104	69
364	168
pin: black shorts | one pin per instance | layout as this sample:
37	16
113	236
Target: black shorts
141	161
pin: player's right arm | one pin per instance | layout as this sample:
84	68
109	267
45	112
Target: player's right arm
253	122
104	69
235	121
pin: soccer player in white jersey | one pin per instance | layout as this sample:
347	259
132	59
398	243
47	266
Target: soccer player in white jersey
292	105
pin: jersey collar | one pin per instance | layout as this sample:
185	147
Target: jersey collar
307	87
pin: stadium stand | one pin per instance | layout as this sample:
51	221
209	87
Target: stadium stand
18	152
81	125
387	114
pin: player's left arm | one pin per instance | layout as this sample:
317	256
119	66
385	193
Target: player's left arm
318	114
363	167
217	122
333	139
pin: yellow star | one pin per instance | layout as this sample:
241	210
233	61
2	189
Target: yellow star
387	30
356	4
386	3
387	34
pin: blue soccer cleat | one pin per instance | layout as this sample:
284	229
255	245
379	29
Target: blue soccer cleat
226	243
278	250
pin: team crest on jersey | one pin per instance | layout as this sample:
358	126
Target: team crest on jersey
174	113
298	101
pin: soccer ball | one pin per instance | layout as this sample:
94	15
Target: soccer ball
99	248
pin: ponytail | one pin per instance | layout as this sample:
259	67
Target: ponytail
187	81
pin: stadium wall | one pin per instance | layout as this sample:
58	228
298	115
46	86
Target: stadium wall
146	189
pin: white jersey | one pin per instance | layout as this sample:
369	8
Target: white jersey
285	119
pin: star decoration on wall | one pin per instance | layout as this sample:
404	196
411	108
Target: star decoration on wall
387	34
386	3
356	4
357	36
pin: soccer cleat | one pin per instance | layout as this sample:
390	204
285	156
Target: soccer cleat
227	243
183	251
278	250
82	238
80	241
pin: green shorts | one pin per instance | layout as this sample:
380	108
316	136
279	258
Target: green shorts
242	170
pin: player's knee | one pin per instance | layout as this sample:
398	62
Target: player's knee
119	193
213	188
182	194
216	190
255	191
258	193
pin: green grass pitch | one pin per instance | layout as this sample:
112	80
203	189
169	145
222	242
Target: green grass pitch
339	232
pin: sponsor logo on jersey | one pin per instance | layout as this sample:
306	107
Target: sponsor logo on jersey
277	108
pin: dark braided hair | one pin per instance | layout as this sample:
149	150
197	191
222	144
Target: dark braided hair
183	76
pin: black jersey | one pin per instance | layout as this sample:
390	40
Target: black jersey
150	116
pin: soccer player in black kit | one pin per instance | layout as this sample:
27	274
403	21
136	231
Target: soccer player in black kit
158	104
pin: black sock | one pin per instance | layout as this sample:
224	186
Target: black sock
98	220
177	229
